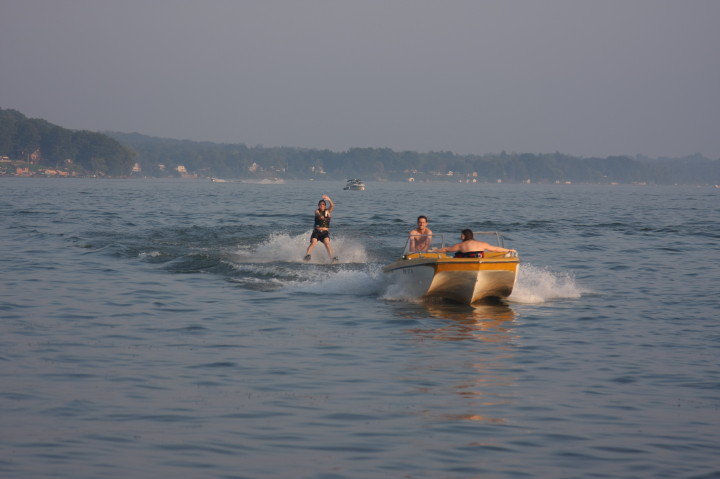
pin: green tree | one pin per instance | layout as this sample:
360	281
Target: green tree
27	140
56	144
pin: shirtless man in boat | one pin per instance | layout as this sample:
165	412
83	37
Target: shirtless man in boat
418	242
321	230
470	245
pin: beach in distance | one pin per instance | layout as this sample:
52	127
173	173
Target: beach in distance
170	328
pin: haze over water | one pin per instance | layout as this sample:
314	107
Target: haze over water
163	328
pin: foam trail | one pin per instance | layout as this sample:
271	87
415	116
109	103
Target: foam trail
398	292
538	285
534	285
284	247
361	283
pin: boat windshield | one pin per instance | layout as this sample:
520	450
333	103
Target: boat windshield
492	237
423	243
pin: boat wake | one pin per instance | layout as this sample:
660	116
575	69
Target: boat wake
398	292
364	282
283	247
277	263
537	285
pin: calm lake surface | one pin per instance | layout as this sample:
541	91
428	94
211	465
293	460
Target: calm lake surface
167	328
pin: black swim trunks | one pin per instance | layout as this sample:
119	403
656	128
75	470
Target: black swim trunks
470	254
320	235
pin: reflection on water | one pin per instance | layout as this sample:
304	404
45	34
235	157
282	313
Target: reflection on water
482	387
488	322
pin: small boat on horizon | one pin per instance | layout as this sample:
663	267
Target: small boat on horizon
223	180
355	184
467	280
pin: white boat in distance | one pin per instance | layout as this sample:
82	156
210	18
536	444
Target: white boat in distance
222	180
466	280
355	184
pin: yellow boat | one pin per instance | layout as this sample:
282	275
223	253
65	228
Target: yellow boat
463	280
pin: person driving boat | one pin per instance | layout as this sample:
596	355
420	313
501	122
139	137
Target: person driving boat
420	237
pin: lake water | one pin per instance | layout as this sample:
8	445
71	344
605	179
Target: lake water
168	328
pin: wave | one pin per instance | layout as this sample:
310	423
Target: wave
285	247
536	285
278	263
399	292
365	282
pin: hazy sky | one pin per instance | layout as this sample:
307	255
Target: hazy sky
587	78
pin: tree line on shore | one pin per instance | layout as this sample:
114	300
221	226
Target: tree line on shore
126	154
240	161
41	144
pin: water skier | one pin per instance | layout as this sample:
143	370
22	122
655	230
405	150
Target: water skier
321	229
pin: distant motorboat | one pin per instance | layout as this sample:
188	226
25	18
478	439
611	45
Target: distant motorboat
467	279
222	180
354	184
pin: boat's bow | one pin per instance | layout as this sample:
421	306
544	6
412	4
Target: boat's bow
468	280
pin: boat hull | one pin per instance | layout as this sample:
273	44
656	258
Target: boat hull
463	280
